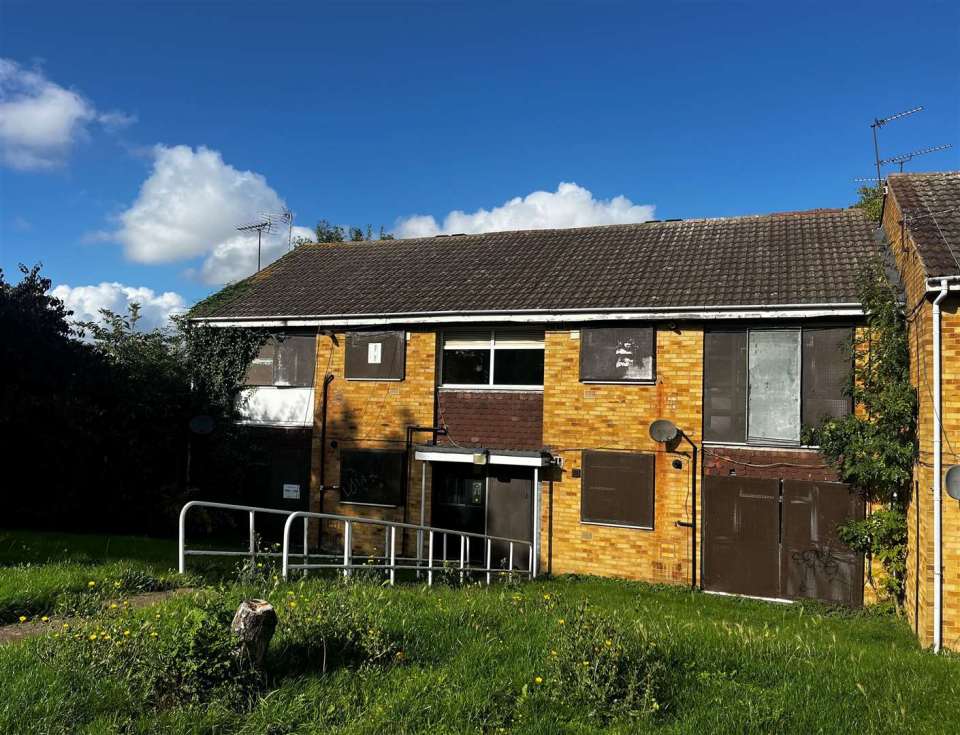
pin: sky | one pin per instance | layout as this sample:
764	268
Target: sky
136	136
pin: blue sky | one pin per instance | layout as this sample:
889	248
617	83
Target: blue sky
151	115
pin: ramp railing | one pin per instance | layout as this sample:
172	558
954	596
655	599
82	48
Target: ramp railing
439	543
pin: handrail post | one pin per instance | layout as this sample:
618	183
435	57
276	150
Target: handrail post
253	538
182	541
285	551
463	540
430	559
347	541
393	553
306	545
531	568
510	563
489	560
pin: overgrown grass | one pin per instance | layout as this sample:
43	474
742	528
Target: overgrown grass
566	655
74	574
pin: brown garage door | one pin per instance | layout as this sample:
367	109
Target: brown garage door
741	517
777	538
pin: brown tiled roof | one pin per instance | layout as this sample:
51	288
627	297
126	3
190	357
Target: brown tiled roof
930	207
794	258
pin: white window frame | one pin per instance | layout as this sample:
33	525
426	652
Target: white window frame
491	344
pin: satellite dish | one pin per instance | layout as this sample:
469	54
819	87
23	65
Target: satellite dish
952	481
202	425
663	431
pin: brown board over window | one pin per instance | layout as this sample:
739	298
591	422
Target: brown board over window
618	354
827	373
618	488
285	360
375	356
725	386
371	476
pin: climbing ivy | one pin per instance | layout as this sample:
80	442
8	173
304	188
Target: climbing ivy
874	448
217	359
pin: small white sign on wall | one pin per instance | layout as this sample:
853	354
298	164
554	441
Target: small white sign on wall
291	491
374	352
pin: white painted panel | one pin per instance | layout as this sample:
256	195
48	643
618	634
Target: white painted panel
774	386
270	406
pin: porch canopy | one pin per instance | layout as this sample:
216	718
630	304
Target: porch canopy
482	456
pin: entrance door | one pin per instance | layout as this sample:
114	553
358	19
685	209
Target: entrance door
510	514
459	499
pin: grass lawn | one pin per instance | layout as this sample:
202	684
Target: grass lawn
51	573
575	655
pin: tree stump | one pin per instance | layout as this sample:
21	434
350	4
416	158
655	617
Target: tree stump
254	624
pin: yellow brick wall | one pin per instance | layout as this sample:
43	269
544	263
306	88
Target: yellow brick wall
579	416
371	415
919	592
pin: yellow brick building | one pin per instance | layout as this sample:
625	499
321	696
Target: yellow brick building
505	385
922	225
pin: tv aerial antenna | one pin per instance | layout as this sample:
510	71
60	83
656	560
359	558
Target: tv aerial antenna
903	157
269	222
260	227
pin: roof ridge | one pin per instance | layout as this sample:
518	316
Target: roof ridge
582	228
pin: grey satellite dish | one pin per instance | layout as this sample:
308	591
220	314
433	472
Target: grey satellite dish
663	431
202	425
952	481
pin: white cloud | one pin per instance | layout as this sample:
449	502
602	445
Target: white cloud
191	205
40	120
569	206
86	302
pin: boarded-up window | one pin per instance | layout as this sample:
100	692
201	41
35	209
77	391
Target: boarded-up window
284	361
725	386
260	371
375	356
371	476
773	394
617	354
827	372
618	488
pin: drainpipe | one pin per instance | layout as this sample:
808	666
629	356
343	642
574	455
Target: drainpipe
327	379
937	472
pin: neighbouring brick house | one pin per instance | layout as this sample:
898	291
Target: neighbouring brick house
921	219
506	383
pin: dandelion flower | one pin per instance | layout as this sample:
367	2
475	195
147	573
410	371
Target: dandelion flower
292	603
93	636
546	597
153	634
608	642
114	606
66	626
44	618
553	653
562	621
91	584
126	633
117	584
23	618
538	680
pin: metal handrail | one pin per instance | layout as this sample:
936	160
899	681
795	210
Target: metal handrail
392	561
391	527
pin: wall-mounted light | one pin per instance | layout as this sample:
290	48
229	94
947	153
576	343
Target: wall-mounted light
480	457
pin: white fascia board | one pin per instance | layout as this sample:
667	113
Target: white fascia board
934	284
785	311
492	458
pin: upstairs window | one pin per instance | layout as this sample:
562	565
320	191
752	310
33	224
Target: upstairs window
375	356
761	386
618	354
479	358
286	361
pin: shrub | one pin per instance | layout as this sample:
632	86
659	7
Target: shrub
604	668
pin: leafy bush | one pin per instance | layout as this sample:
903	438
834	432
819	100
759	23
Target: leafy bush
883	534
605	669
